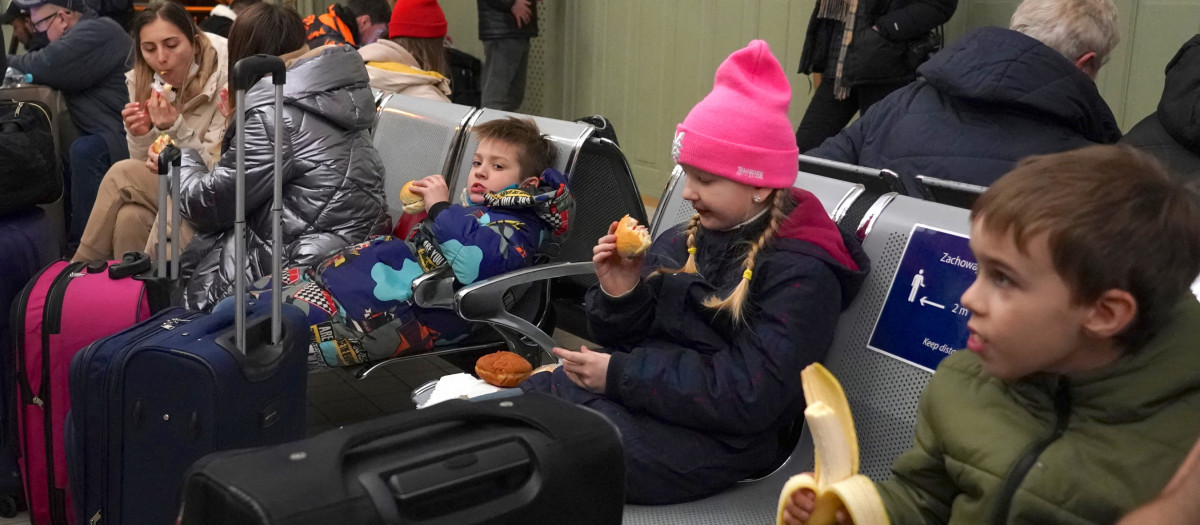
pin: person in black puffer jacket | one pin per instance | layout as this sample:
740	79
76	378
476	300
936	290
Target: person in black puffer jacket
992	98
505	27
1172	134
888	40
333	187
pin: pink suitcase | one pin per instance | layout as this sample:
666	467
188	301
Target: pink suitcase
64	309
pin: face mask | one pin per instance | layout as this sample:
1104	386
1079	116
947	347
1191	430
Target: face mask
38	40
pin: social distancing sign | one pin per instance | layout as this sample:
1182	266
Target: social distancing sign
922	320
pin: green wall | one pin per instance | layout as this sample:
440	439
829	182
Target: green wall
644	63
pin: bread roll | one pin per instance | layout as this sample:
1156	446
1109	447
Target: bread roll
545	368
413	203
632	238
503	369
160	143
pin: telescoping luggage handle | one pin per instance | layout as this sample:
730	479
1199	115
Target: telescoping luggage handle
170	160
245	73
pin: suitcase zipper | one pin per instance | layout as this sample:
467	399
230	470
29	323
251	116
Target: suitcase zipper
52	323
20	105
25	392
174	322
79	376
18	324
111	386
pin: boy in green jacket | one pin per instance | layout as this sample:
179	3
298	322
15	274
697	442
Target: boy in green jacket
1079	395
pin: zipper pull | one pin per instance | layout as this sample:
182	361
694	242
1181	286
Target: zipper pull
18	110
172	324
94	519
38	401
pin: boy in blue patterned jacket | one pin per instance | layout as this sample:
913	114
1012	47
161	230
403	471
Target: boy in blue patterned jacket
358	300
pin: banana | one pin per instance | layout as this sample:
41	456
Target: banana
835	479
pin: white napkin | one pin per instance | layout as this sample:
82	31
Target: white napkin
159	84
458	386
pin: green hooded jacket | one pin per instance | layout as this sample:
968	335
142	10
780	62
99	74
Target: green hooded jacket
1079	449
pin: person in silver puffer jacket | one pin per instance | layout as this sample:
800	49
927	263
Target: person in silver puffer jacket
333	190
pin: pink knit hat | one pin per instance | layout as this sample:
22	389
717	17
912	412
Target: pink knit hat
741	130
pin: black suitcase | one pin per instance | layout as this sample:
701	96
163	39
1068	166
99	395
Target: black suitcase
528	459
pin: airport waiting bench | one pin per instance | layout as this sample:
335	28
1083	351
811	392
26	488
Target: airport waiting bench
883	390
419	137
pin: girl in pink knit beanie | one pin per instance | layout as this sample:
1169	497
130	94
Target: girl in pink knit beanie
705	333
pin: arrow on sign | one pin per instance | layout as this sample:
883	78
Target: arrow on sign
925	301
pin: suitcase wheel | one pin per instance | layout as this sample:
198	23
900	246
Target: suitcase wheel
8	507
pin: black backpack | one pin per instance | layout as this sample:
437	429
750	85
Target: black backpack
466	73
30	170
604	127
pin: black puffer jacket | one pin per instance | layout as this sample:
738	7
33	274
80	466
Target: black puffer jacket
986	101
1173	132
333	187
496	20
875	57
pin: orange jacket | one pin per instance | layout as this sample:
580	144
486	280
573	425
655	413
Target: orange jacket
332	28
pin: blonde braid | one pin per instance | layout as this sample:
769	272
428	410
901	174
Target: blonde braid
735	303
690	265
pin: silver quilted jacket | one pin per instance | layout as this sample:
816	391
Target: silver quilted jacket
333	186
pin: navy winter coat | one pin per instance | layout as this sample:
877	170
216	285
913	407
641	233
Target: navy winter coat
986	101
1173	132
87	64
701	400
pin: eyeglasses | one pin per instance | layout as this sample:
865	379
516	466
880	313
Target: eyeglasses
38	25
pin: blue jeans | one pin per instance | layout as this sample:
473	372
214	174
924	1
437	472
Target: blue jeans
504	65
88	162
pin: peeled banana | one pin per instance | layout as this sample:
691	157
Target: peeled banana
835	479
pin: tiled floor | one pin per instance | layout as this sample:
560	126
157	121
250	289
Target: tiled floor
336	398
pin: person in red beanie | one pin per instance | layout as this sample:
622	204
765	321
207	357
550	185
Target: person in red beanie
705	334
356	24
412	60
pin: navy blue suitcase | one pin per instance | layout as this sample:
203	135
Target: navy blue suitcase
27	244
148	402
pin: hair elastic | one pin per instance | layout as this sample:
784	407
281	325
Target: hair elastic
746	274
692	250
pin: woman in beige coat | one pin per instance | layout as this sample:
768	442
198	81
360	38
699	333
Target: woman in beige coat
412	61
192	111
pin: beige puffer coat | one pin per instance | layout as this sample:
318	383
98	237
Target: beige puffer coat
394	70
200	125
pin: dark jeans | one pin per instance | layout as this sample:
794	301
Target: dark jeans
504	65
827	116
89	160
